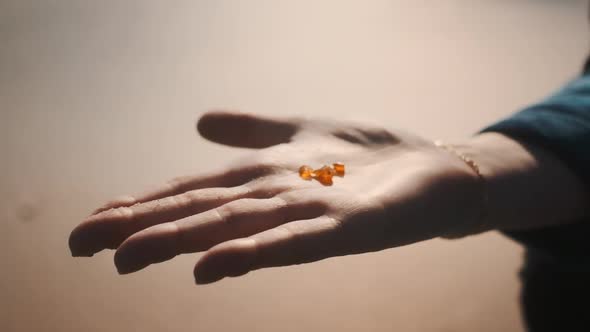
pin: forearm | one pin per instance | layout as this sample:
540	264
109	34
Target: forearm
526	186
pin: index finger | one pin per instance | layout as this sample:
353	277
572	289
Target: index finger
180	185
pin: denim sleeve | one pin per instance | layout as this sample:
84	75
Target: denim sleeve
560	124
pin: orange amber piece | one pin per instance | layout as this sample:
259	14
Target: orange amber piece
339	169
324	175
306	172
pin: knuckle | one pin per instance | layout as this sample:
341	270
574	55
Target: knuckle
280	202
220	214
189	197
185	199
290	234
124	200
234	206
123	213
281	209
228	212
336	226
177	201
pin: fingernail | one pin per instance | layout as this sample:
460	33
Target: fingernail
123	270
203	278
126	266
79	254
78	250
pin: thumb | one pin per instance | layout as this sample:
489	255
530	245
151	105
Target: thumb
245	130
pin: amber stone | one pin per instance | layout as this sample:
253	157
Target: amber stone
324	175
339	169
306	172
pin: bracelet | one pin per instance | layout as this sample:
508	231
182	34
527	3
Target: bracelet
476	169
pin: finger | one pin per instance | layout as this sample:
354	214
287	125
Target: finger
245	130
197	233
296	242
109	228
184	184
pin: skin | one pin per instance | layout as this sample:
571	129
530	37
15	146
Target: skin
398	189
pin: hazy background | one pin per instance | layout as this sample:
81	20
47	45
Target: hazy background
99	98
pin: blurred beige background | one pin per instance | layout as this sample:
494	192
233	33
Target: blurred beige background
99	98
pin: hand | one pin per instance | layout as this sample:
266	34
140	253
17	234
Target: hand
398	189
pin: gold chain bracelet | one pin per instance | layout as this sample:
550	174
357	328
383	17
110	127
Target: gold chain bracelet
476	169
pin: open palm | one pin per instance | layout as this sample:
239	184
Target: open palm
259	213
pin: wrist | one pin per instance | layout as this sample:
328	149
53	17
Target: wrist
527	187
478	220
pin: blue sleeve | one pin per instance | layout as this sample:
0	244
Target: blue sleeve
561	125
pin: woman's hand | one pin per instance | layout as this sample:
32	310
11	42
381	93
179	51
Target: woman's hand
398	189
